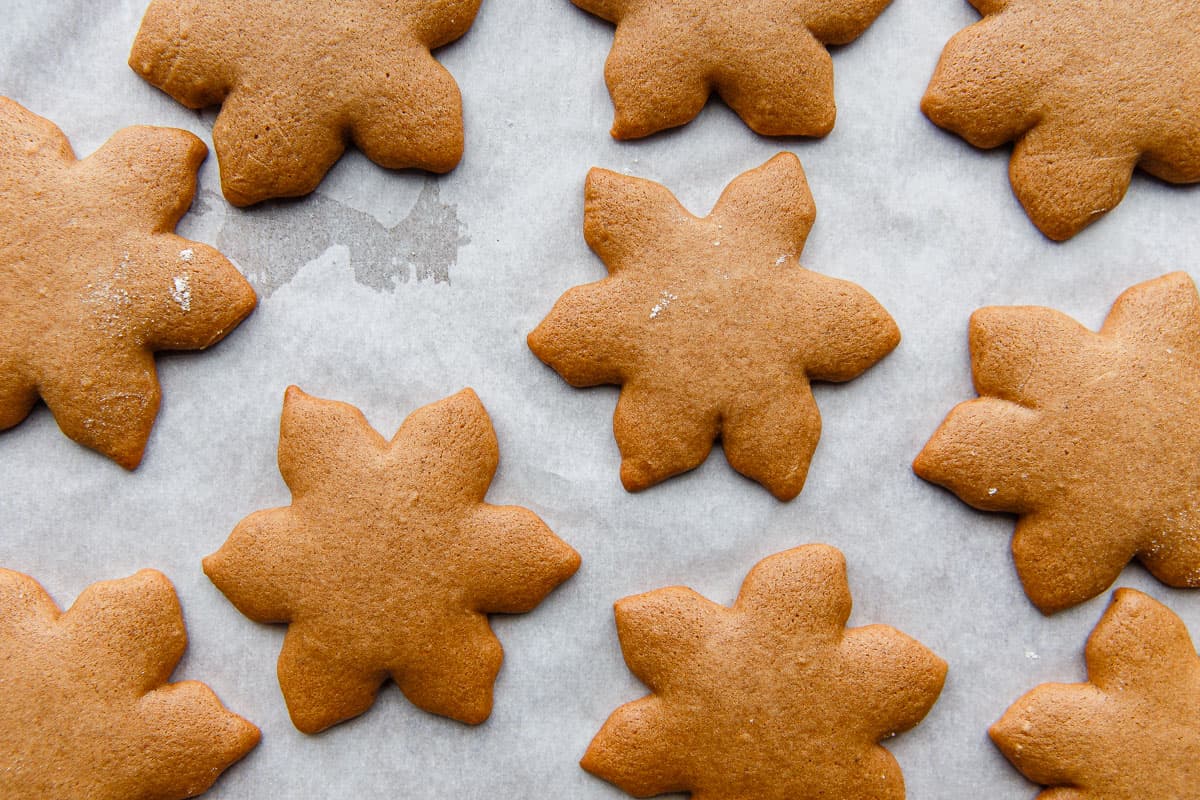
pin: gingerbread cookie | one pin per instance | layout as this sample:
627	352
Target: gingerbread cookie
93	281
1132	731
86	712
772	699
298	80
1091	438
388	560
766	59
711	326
1088	90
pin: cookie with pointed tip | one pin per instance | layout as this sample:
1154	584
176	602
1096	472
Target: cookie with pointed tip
1088	90
86	712
1091	438
93	279
773	698
711	326
767	59
388	560
297	81
1131	732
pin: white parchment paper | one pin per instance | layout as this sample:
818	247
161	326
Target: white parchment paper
391	290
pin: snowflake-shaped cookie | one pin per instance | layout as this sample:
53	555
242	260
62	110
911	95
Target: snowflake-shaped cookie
1132	732
93	280
765	58
388	560
772	699
298	80
1092	438
711	326
86	712
1088	89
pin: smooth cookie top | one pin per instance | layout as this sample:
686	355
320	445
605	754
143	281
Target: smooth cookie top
773	698
1088	89
1130	732
299	80
1091	438
388	560
765	58
711	326
86	712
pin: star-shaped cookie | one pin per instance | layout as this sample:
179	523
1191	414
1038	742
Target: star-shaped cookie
1092	438
93	280
1088	90
1132	732
711	326
772	699
388	560
765	58
86	712
297	81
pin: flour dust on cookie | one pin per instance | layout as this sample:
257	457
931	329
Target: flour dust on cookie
93	280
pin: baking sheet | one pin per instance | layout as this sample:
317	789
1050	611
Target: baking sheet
390	290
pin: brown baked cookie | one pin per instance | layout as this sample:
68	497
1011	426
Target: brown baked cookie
388	560
1091	438
772	699
711	326
86	712
1088	90
299	80
1131	732
93	280
765	58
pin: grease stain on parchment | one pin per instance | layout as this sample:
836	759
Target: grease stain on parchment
272	241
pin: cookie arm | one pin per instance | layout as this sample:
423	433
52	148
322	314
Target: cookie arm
1025	354
894	678
661	433
1141	647
1051	734
636	750
664	628
770	435
585	336
1070	553
1066	178
179	49
652	87
1164	310
850	330
453	668
799	592
190	738
441	22
318	438
147	173
104	398
512	559
452	445
411	118
773	205
133	625
838	21
611	10
625	219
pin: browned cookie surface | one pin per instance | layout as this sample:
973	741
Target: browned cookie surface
1092	438
388	560
299	80
86	712
773	699
1132	731
93	280
766	59
1088	89
711	326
